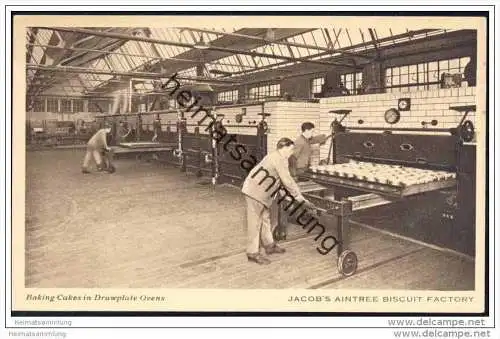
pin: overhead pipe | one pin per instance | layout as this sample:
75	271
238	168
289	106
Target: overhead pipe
96	96
186	45
167	111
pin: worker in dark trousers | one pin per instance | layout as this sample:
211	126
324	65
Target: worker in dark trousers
301	157
263	186
298	163
107	160
96	147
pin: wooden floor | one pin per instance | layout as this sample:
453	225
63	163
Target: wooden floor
148	225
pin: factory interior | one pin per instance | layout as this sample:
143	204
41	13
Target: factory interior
394	183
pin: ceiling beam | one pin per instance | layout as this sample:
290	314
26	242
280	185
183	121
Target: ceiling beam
79	42
280	41
82	70
111	45
229	51
97	51
443	36
374	42
435	42
29	55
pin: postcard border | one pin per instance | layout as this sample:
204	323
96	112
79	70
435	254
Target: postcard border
486	312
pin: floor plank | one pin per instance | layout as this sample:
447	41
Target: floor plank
427	269
148	225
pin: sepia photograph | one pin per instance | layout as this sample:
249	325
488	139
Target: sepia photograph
339	162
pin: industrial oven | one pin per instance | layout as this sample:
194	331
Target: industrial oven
376	167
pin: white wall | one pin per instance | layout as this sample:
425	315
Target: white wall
425	106
286	119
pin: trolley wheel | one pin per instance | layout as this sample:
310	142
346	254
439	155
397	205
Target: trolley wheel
347	263
279	235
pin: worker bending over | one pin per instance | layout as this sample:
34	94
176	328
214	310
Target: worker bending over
262	189
301	157
97	147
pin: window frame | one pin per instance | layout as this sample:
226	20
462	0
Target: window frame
428	74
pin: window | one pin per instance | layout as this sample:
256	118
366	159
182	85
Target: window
228	96
262	92
92	107
39	105
52	105
77	106
352	81
172	103
95	106
316	85
65	106
423	76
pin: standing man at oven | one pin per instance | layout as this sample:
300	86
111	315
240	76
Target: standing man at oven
263	189
300	159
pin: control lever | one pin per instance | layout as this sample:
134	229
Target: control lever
432	123
343	112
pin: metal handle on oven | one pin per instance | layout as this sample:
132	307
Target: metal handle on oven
406	147
368	144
